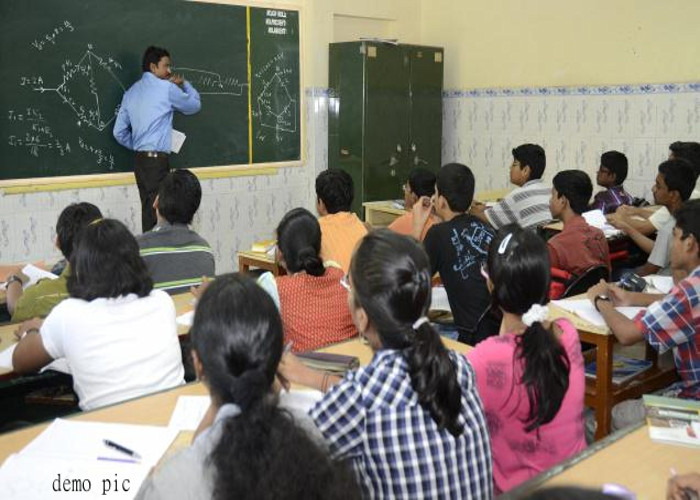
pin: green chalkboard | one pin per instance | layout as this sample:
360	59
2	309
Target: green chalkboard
64	66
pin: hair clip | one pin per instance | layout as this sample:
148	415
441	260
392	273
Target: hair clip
504	244
419	322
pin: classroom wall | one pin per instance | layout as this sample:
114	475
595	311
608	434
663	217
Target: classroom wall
516	43
579	78
236	211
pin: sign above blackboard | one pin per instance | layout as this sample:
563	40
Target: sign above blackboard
64	67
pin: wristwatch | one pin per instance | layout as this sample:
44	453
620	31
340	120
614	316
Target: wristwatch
12	279
600	297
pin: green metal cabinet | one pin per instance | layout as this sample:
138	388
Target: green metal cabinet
385	114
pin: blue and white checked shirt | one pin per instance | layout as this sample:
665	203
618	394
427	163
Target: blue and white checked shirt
373	418
145	118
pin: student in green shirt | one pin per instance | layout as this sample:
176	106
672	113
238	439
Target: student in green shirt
39	299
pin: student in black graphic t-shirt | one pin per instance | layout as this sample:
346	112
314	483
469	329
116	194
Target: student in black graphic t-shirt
457	246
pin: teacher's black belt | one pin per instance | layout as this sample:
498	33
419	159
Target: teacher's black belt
152	154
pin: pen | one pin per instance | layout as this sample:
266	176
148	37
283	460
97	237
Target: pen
122	460
122	449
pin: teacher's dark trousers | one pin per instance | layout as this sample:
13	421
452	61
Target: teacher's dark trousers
150	169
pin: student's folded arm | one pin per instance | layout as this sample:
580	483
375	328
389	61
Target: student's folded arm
644	243
647	268
625	330
12	295
645	227
30	355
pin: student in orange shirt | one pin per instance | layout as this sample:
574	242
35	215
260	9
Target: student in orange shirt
421	182
340	228
313	302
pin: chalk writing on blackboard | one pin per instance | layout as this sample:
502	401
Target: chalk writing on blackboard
83	83
276	108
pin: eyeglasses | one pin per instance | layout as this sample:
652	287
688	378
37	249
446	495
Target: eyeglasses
485	270
345	282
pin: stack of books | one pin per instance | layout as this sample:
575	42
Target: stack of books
673	420
338	364
264	246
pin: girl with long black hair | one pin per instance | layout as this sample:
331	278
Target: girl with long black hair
246	446
530	377
411	422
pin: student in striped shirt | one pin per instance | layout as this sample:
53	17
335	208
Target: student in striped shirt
176	256
528	204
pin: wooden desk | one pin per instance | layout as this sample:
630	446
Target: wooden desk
628	458
258	260
156	409
492	195
601	394
382	213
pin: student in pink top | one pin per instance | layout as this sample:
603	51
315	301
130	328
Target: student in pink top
531	376
421	182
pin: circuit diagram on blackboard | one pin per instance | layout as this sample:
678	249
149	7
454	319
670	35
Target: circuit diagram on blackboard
275	108
83	86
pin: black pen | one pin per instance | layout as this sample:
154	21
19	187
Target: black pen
122	449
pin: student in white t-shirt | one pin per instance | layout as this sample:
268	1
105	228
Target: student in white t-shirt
117	334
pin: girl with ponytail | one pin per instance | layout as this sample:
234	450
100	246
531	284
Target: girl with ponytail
312	300
246	447
530	377
411	422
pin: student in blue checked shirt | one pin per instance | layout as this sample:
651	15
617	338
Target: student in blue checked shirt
411	422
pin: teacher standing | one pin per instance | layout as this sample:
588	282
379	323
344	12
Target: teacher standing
145	122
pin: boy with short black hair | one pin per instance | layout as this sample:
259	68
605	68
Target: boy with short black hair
611	175
176	256
654	221
457	246
673	186
669	322
340	228
579	246
39	299
528	204
421	182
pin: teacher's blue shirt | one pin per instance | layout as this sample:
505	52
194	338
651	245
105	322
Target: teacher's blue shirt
145	118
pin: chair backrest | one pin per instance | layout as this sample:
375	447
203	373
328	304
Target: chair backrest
587	279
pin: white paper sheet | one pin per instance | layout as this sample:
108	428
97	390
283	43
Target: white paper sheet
76	440
36	477
300	400
185	319
662	283
177	140
6	357
35	274
439	301
596	218
59	365
188	412
583	308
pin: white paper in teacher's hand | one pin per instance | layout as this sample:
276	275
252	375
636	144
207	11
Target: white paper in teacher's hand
177	140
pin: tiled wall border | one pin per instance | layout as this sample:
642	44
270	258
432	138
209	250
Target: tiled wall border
661	88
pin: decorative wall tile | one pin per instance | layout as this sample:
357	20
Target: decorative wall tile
574	125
